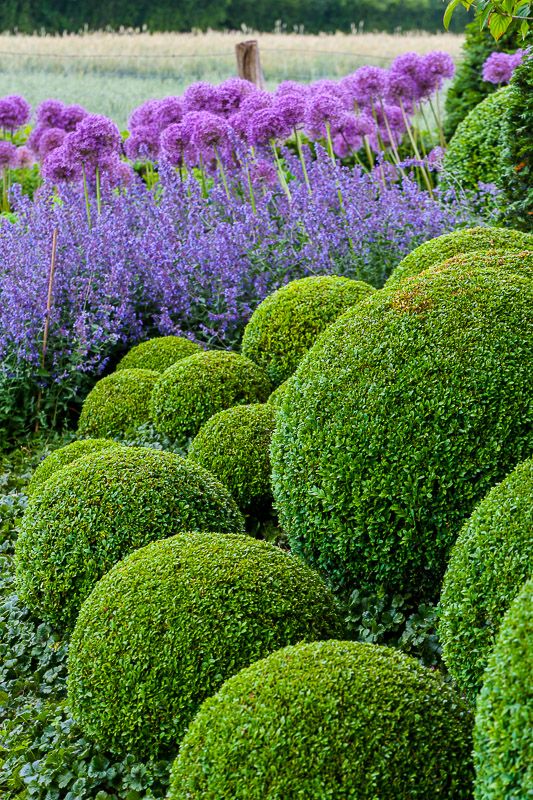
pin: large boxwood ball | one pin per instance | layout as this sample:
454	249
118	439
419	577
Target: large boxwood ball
503	743
189	393
118	404
66	455
471	240
488	566
285	325
333	720
158	354
234	445
93	512
400	419
166	627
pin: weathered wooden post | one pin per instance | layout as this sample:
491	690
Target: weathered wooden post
249	63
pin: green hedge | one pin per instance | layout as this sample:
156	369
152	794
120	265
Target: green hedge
92	513
518	147
400	419
328	720
158	354
118	404
277	396
66	455
166	627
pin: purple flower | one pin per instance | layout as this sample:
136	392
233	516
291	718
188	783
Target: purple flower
265	126
14	112
499	67
365	85
59	166
409	67
145	114
8	155
440	65
435	158
352	131
143	143
94	140
391	116
206	130
292	107
264	172
401	88
175	144
290	87
231	93
168	111
50	114
322	110
72	116
50	139
200	96
256	102
341	148
24	158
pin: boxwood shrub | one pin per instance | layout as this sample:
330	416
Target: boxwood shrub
502	736
518	147
93	512
66	455
165	627
190	392
276	398
399	420
285	325
118	404
331	720
158	354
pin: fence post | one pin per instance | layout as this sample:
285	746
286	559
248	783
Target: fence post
249	63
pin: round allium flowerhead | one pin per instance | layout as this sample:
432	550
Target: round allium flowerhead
176	143
8	155
93	512
158	354
469	240
499	67
51	139
200	96
207	131
166	627
366	85
231	93
267	125
145	114
143	143
72	116
95	139
14	112
59	166
323	110
50	113
287	323
292	108
488	566
24	158
169	111
503	746
63	456
234	445
408	65
398	422
370	722
118	404
189	393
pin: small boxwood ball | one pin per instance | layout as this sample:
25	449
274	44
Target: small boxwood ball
503	744
287	323
398	422
331	720
189	393
488	566
234	445
93	512
166	627
118	404
66	455
277	396
158	354
470	240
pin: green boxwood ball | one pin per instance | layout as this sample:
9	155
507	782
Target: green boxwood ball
328	721
66	455
503	745
118	404
459	242
276	398
234	445
189	393
166	627
158	354
93	512
287	323
488	566
401	418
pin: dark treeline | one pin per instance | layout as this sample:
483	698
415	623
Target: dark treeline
182	15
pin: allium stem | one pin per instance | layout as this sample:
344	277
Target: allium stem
222	172
86	194
416	151
368	150
204	182
282	178
98	192
250	188
392	141
5	189
302	159
438	119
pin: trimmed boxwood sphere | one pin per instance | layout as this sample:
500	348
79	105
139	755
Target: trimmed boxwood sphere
401	418
328	721
234	445
503	751
166	627
278	395
66	455
287	323
459	242
118	404
489	564
158	354
189	393
93	512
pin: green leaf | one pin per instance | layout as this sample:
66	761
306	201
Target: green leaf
498	24
450	8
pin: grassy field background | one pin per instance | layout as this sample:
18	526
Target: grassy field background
111	73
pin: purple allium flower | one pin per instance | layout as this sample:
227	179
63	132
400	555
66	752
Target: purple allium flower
231	93
322	110
94	140
365	85
72	116
25	157
143	143
326	86
290	87
206	130
200	96
50	114
50	139
390	115
401	88
145	114
352	130
341	148
292	107
168	111
440	65
14	112
256	102
265	126
499	67
175	144
8	155
264	172
59	166
407	65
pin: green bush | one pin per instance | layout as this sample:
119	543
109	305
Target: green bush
118	404
287	323
518	147
158	354
63	456
328	721
470	240
502	737
95	511
489	563
234	445
189	393
400	419
276	398
166	627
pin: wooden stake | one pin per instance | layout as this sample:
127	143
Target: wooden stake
249	63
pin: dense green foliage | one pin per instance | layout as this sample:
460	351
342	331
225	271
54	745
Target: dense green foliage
66	455
328	721
518	147
234	445
488	566
452	244
503	747
189	393
399	420
118	404
158	354
165	627
95	511
276	398
287	323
